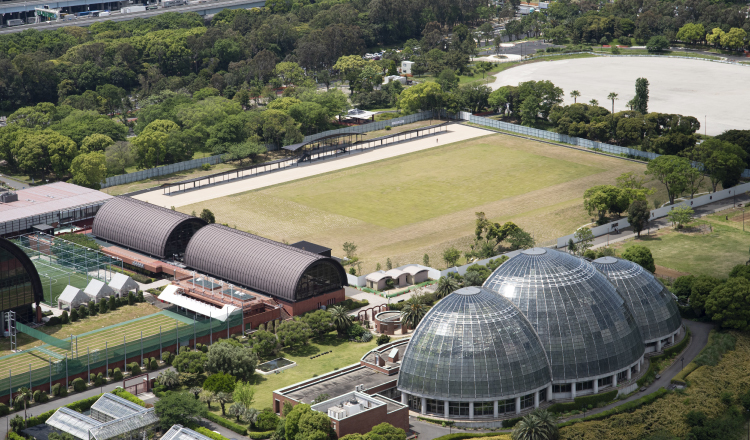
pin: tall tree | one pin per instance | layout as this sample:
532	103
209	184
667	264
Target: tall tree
638	215
670	170
640	102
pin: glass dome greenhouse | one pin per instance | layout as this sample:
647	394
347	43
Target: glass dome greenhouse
652	304
584	324
474	345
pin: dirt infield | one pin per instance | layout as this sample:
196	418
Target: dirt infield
403	207
712	92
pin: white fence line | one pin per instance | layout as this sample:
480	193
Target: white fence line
374	126
161	171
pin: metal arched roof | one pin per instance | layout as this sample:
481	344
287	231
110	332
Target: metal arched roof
139	225
11	251
258	263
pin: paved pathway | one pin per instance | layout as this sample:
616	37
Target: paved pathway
456	133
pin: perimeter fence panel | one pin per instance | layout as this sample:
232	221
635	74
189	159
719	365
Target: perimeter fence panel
161	171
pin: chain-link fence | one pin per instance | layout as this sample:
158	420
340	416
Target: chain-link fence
374	126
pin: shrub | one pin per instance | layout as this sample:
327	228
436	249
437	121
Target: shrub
83	311
79	385
98	380
226	423
63	391
43	397
119	392
64	317
56	389
36	395
73	315
139	296
135	369
206	166
131	298
103	306
117	374
626	407
383	339
4	410
267	420
54	320
92	308
583	402
387	127
511	422
167	357
153	365
260	435
367	337
718	344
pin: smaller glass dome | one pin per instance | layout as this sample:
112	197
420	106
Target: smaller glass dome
652	305
473	344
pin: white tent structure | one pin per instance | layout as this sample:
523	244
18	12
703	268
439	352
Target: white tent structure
71	298
122	284
97	290
170	294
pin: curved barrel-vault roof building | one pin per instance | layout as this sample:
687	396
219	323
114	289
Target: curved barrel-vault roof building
652	304
585	326
268	267
146	228
20	285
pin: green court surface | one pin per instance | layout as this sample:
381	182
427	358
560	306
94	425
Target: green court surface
94	343
55	278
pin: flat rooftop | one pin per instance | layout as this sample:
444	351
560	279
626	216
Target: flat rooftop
340	384
42	199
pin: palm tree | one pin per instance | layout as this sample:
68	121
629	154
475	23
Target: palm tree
207	397
341	318
223	398
413	311
539	425
168	378
594	102
446	286
613	97
23	395
575	94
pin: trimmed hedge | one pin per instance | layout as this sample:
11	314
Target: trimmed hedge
260	435
79	385
13	436
650	374
227	423
509	423
583	402
208	433
627	407
678	347
119	392
463	435
438	422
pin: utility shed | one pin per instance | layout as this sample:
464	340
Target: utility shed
72	297
121	284
97	290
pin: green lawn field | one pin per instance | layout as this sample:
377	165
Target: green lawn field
714	253
418	187
421	203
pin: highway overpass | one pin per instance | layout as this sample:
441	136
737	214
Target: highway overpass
16	8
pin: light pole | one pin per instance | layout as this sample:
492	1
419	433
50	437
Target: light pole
683	362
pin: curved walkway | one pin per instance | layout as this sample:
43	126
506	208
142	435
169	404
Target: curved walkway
699	333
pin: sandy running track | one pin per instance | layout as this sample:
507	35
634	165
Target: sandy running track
696	88
456	133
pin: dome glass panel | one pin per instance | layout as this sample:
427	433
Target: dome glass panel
584	324
473	344
652	304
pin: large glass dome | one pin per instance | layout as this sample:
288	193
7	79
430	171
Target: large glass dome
584	324
652	304
474	344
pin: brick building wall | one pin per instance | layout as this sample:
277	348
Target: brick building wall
314	303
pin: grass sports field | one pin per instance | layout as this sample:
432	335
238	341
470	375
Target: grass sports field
95	340
403	207
55	278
